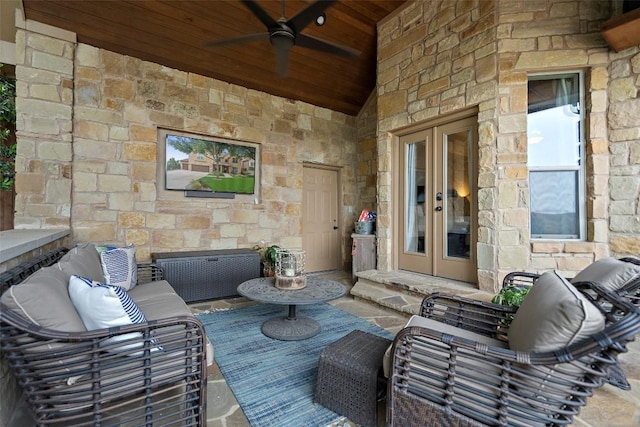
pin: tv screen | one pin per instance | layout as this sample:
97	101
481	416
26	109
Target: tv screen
194	163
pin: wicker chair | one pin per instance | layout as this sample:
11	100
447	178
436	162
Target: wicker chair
629	289
620	276
151	373
442	376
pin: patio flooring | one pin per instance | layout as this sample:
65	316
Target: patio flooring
609	406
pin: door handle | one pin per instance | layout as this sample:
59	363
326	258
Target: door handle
335	227
438	208
438	196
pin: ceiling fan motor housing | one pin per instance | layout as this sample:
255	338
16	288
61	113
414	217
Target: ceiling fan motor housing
283	37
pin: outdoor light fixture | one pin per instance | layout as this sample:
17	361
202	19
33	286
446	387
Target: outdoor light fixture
321	19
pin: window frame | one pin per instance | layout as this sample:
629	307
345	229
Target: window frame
581	168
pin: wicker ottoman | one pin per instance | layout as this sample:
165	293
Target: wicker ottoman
348	376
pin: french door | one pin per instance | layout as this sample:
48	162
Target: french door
437	200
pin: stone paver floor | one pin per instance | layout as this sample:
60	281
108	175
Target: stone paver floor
609	406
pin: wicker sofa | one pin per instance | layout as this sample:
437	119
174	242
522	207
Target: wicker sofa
147	373
464	362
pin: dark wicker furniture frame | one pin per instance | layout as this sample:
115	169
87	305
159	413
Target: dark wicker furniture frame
630	291
349	372
443	380
102	383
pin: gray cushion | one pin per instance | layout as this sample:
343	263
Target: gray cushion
612	274
44	300
554	314
150	290
82	260
163	305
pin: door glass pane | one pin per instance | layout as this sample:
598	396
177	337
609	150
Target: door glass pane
457	209
414	197
554	204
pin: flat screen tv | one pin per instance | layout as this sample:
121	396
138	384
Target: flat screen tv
198	164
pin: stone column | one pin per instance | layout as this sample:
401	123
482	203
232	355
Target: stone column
44	110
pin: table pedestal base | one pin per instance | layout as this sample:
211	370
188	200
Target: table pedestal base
291	328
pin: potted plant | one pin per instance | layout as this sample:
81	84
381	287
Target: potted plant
267	257
511	296
269	260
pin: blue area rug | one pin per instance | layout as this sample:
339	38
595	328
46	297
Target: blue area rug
274	381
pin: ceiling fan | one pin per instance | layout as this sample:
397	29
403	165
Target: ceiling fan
286	33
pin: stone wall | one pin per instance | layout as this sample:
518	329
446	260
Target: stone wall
88	151
623	118
44	126
92	115
437	57
367	156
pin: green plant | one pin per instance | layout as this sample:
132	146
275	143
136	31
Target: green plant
267	255
511	296
269	258
7	115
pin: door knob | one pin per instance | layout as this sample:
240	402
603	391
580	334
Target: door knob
438	208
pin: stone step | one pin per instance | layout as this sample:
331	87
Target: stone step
386	297
404	291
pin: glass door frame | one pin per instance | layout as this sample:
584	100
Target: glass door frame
432	262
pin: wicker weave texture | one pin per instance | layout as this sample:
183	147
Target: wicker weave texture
20	272
348	373
204	275
155	374
444	380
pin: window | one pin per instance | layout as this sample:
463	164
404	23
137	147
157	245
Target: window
555	120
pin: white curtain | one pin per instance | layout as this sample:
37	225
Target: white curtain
566	91
411	231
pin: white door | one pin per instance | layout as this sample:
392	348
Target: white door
320	225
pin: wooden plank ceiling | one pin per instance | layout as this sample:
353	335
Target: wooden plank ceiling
174	33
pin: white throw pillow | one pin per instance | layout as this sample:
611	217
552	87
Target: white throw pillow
102	305
119	265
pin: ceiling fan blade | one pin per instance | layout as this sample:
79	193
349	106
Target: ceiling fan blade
239	39
307	41
282	61
263	16
308	15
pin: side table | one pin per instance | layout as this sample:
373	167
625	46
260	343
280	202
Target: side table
348	376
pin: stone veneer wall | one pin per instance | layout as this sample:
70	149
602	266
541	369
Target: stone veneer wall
442	56
88	131
367	156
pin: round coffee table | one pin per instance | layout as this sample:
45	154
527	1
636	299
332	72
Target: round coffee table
291	327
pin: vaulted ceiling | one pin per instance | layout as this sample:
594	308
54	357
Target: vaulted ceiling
175	33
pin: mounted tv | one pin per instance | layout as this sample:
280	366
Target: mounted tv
209	167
